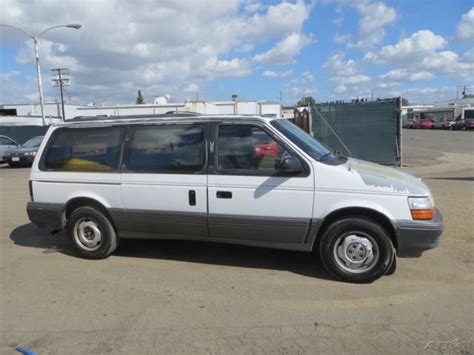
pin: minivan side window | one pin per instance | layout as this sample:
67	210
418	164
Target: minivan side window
247	149
84	149
177	149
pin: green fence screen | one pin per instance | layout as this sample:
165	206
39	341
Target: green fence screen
22	133
371	130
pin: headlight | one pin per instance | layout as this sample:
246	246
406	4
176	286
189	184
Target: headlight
30	153
421	208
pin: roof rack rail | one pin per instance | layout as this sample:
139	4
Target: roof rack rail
183	113
128	117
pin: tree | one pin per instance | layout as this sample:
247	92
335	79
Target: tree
306	101
140	100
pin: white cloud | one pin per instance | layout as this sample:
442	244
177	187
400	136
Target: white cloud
285	50
465	29
412	48
403	75
345	74
339	19
340	89
227	68
342	38
425	95
469	56
279	20
422	51
193	87
156	48
9	75
421	75
298	92
253	6
374	17
277	74
305	78
337	65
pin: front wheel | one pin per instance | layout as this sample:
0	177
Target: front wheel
356	250
91	233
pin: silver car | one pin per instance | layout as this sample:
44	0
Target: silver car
6	144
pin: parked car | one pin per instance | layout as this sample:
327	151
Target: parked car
6	144
425	123
444	124
463	125
407	123
412	124
265	145
23	154
199	178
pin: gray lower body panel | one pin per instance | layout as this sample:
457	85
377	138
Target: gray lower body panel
269	232
415	237
153	224
256	228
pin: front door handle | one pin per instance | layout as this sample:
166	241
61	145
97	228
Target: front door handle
224	194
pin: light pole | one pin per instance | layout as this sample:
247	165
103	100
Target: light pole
37	60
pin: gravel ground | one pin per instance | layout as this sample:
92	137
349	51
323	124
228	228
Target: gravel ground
188	297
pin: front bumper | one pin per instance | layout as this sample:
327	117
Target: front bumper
415	237
19	159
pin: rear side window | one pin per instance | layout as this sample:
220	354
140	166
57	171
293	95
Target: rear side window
84	149
167	149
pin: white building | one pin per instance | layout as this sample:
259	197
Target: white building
203	107
51	109
30	114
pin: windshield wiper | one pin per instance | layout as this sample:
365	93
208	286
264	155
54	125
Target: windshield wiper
325	156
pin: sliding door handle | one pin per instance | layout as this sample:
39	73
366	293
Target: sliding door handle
224	194
192	197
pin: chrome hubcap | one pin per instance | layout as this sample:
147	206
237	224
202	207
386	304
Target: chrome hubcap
87	234
356	252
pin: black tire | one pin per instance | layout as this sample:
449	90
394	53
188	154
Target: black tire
393	267
108	236
360	227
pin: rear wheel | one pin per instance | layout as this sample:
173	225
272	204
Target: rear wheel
356	250
91	233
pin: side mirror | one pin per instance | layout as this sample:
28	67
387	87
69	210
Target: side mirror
290	165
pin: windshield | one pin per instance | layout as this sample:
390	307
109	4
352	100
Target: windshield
33	142
302	139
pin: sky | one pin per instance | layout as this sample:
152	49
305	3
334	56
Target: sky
260	50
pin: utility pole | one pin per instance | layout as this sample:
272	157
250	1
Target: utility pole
61	81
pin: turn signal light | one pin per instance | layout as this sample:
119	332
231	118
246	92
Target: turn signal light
423	214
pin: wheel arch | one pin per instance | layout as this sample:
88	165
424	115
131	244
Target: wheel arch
77	202
357	212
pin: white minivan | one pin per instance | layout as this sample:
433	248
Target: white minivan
258	181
